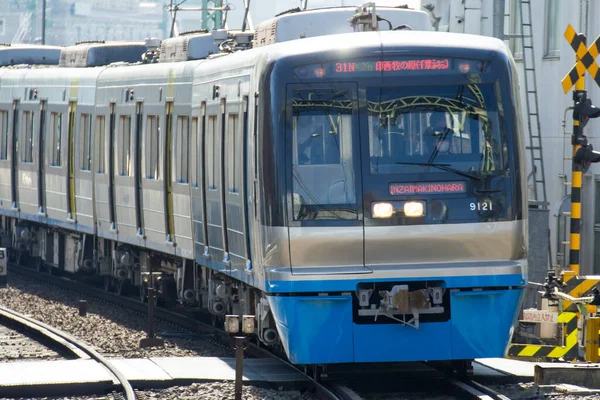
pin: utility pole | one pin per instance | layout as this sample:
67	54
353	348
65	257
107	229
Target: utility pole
43	21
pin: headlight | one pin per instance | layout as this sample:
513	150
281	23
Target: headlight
414	209
382	210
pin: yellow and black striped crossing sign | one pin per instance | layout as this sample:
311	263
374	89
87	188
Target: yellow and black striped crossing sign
568	352
575	286
586	59
579	286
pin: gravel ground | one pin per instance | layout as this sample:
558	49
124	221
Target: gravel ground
204	391
15	346
114	331
529	391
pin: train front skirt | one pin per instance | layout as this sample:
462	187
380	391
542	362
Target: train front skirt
320	330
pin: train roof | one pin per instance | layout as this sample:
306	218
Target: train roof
95	54
297	24
371	43
27	54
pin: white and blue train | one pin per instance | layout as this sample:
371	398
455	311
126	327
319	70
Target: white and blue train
357	186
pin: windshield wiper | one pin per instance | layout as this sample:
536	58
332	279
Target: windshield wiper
444	167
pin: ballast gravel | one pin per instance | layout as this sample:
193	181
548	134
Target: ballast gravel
112	330
204	391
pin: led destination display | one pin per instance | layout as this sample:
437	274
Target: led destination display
427	188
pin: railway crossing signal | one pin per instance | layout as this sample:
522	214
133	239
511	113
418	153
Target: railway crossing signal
586	59
583	110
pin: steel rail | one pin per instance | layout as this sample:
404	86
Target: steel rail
76	346
476	390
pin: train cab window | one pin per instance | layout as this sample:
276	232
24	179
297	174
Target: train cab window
233	142
3	134
56	127
100	143
457	126
194	148
152	146
85	145
211	151
323	163
27	155
183	149
124	146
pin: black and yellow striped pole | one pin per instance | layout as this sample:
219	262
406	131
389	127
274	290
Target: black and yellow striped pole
576	76
583	155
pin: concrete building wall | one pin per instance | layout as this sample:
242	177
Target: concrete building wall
553	60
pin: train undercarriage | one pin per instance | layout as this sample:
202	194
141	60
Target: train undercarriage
127	269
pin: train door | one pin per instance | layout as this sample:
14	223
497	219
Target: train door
197	175
111	168
221	179
324	174
168	178
235	189
71	210
14	180
212	182
137	169
42	160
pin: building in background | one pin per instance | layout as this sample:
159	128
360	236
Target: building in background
70	21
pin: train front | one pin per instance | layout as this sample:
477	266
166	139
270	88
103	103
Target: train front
403	202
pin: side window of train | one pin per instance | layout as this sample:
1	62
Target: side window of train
152	146
211	151
3	134
55	133
85	146
27	155
194	148
182	143
124	145
100	143
233	159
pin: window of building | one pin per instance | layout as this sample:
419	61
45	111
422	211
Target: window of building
516	28
232	153
211	150
85	145
27	155
183	150
3	134
194	149
152	146
101	143
56	126
124	146
553	29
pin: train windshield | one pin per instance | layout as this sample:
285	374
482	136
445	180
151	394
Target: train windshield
324	129
414	128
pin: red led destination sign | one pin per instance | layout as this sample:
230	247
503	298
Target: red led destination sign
427	188
430	64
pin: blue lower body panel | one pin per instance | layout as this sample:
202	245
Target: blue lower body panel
320	330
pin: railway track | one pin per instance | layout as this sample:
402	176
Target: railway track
475	390
63	343
334	389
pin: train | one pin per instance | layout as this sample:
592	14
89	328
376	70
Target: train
348	176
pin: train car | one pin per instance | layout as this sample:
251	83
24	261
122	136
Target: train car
350	178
